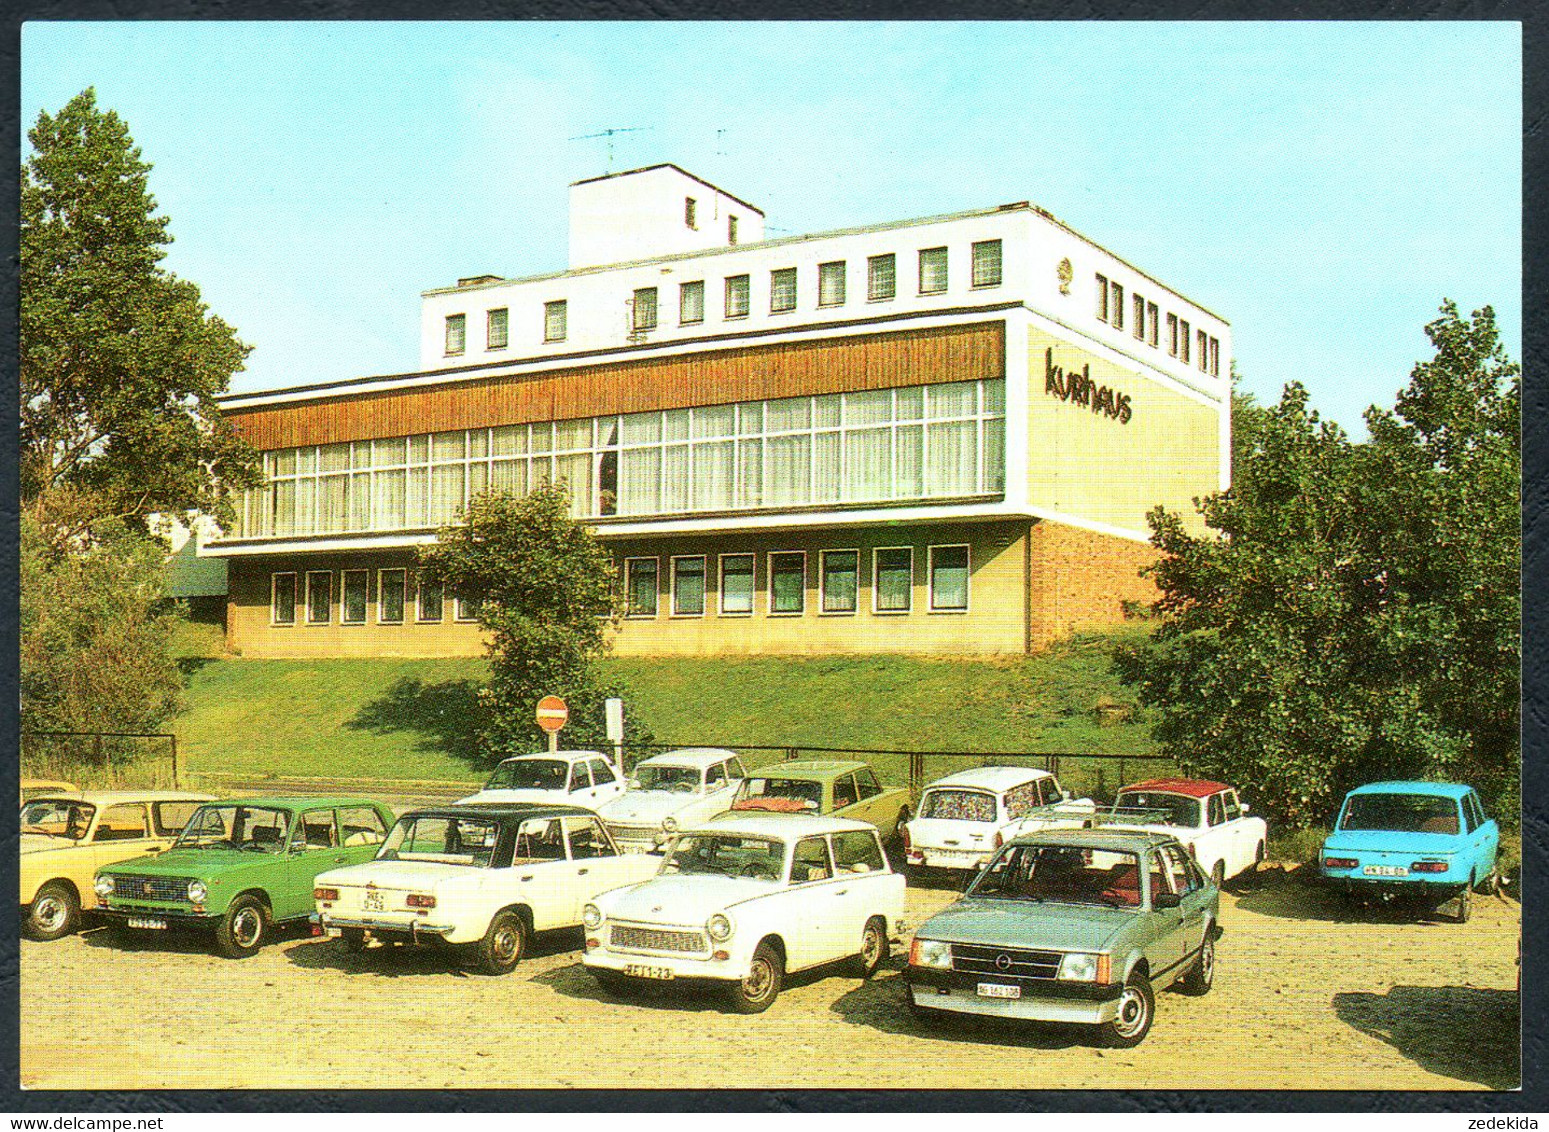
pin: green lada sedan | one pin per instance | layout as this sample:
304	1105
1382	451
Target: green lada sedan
1078	925
241	868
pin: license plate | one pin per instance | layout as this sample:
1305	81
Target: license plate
999	990
373	902
147	922
642	972
1385	871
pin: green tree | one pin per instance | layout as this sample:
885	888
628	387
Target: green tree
120	360
545	592
1354	614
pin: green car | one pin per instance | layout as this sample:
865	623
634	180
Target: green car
241	868
840	788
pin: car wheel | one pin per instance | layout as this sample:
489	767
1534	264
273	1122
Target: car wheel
873	950
354	939
617	984
754	993
1465	905
1203	974
503	945
1137	1006
55	912
1491	885
244	928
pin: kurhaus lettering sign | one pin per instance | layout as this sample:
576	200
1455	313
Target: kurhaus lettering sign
1080	389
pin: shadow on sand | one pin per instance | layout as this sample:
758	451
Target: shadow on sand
396	961
1467	1033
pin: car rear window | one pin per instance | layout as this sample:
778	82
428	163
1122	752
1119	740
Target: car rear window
958	805
1401	813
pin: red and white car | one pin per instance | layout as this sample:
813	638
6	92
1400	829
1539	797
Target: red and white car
1207	817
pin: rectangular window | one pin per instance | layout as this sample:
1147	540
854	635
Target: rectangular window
355	595
933	271
691	302
949	579
1102	298
1140	316
986	263
1183	341
456	333
645	308
497	329
1154	330
1172	335
430	600
689	219
831	283
640	587
1215	357
282	599
555	321
892	579
840	570
1116	307
782	290
389	597
466	608
737	296
787	582
881	277
688	586
319	597
731	229
736	584
1202	342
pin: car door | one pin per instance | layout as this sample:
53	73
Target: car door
1213	843
605	781
872	806
846	799
1170	936
1239	842
1194	889
862	873
1484	838
816	922
545	875
579	789
592	868
313	848
123	832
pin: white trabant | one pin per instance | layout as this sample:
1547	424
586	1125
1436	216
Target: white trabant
564	778
965	817
745	899
1210	820
483	876
669	792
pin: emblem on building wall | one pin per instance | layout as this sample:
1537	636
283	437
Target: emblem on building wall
1065	273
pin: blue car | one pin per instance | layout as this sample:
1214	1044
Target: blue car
1426	841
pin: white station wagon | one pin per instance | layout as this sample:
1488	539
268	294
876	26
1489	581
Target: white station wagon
564	778
745	899
483	876
669	792
965	817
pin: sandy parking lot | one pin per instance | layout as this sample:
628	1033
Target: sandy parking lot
1306	996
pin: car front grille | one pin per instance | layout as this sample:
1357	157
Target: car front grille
646	833
150	888
657	939
1014	961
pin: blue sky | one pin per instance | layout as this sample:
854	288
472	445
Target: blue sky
1321	185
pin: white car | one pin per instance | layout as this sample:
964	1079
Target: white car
669	792
483	876
745	899
964	817
564	778
1210	820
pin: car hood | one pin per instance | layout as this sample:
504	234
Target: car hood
646	807
40	842
553	797
197	863
681	899
1390	841
1021	923
406	876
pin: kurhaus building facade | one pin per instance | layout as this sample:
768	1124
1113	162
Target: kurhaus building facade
937	435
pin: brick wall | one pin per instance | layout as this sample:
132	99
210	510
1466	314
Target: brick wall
1080	579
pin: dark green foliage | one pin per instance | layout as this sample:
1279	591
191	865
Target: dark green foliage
1357	616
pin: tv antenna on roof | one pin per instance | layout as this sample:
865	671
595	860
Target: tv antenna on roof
608	133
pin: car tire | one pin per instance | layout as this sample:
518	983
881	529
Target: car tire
1202	975
874	948
503	945
55	912
755	993
1491	885
243	929
1137	1008
1465	904
354	939
616	983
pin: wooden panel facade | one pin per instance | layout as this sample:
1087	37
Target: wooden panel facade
751	373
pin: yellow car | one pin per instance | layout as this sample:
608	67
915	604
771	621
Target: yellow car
67	836
33	787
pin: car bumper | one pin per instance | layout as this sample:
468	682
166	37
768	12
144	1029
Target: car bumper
969	859
1039	1001
174	917
1433	886
680	966
416	931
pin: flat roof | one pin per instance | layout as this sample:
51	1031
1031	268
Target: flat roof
669	165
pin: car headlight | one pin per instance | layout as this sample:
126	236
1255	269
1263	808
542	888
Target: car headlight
197	891
591	917
719	927
1079	967
104	886
669	824
930	953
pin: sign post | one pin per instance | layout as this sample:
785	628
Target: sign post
552	715
615	720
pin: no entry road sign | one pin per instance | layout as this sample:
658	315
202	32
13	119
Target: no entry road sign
552	713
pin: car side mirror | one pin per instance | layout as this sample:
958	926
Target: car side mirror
1167	900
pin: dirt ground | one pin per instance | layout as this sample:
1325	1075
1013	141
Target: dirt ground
1307	996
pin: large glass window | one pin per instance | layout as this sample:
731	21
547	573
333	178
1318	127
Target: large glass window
352	607
691	302
319	597
645	309
430	601
841	580
555	321
787	582
893	579
986	263
782	290
688	586
831	284
640	586
736	583
737	296
881	277
390	584
497	329
282	599
948	578
933	271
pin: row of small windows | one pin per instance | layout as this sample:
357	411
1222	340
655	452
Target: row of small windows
737	298
1206	352
784	581
309	597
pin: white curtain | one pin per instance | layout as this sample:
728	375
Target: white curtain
713	476
640	481
788	468
951	468
868	464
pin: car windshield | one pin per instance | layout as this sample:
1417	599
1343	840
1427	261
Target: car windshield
727	855
781	794
1062	875
660	776
958	805
529	774
1157	808
259	829
1401	813
57	817
449	841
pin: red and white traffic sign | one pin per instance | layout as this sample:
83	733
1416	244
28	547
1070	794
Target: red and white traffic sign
552	713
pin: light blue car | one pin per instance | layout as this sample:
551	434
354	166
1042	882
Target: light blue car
1425	841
